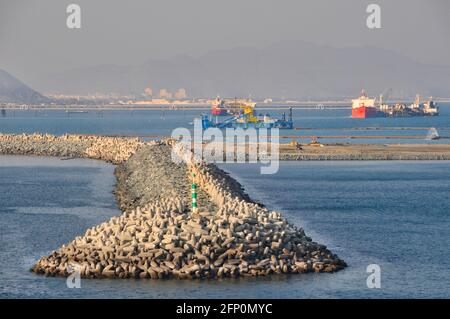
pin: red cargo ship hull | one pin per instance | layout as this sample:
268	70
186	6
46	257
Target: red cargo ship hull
363	112
218	111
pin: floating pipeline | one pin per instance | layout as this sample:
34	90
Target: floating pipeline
158	236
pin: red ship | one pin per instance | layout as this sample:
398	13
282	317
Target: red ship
218	107
364	107
230	106
218	111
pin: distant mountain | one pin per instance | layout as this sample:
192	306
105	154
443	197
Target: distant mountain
14	91
286	69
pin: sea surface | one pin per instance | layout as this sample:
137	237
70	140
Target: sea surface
393	214
325	123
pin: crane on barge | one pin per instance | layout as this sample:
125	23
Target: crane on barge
244	115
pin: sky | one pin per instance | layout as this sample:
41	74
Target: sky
35	41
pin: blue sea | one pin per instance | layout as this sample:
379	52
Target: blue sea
392	214
309	122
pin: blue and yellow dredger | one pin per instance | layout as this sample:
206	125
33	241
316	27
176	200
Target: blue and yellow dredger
241	113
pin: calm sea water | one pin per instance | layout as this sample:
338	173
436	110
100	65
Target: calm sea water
394	214
157	122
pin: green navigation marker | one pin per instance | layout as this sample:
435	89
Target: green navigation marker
194	194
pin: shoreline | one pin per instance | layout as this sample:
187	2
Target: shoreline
334	152
363	152
158	236
105	104
88	145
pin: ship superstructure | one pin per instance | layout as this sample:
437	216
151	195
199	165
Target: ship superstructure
430	107
364	107
242	113
220	107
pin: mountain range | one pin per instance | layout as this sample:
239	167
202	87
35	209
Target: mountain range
292	69
13	90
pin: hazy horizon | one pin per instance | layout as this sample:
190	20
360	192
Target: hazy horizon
36	45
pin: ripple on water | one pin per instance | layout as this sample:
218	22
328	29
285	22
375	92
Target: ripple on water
364	211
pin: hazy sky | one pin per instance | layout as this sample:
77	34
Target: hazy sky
34	39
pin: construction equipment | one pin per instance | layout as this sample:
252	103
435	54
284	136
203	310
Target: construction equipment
246	117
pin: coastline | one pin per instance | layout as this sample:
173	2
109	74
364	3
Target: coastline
158	236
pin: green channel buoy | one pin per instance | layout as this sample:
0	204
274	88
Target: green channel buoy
194	193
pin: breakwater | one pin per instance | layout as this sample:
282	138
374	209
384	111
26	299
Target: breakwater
362	152
110	149
158	236
365	157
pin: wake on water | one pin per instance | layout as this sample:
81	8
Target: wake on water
432	134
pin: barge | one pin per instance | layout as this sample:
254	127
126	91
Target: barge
243	114
365	107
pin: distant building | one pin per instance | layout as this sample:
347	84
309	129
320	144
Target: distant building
165	94
151	102
181	94
148	91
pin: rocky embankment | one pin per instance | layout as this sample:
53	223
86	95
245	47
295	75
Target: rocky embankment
158	236
150	176
110	149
